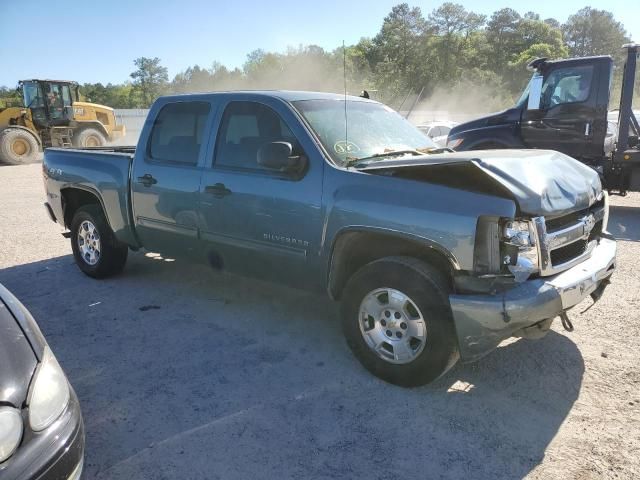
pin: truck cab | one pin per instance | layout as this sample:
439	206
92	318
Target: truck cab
571	117
564	108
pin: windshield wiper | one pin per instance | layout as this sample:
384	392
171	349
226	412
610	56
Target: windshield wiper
393	153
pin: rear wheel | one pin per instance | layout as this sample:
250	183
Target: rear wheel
18	146
96	250
89	137
397	320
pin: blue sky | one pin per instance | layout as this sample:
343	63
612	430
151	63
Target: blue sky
96	41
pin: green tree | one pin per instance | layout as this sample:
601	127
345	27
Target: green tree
452	25
149	80
10	97
449	54
502	35
397	52
552	22
594	32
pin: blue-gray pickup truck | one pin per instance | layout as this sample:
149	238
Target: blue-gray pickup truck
434	255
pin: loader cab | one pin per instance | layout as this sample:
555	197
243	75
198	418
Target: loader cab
50	101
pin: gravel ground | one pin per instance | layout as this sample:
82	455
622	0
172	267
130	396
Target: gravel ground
186	373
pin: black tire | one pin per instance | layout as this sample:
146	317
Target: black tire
89	137
427	288
18	147
113	255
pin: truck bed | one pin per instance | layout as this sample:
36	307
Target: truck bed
104	172
111	148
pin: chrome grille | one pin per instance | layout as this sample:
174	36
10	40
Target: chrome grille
568	240
568	252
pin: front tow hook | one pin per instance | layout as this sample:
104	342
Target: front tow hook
566	323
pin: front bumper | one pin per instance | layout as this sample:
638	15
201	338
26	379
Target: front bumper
483	321
49	210
56	453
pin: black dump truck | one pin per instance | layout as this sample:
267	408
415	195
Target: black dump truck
565	108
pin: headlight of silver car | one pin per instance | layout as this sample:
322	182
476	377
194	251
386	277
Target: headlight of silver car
10	431
520	249
49	393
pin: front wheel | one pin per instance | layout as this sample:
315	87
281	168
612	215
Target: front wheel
18	146
397	321
96	250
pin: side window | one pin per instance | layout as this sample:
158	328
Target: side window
567	85
445	130
178	132
66	96
245	127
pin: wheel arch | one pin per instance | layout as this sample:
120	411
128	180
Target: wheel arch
24	129
75	197
84	124
355	247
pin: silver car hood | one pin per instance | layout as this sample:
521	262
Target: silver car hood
542	182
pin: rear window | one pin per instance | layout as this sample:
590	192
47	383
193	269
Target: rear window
178	133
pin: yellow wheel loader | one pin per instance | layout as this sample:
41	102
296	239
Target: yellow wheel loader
52	115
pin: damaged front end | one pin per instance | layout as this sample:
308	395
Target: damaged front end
527	308
532	268
529	271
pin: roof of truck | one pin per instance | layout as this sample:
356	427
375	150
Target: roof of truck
287	95
48	80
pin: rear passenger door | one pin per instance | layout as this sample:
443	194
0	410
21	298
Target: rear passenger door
166	176
256	221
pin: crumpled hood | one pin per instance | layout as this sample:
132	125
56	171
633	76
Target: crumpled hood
542	182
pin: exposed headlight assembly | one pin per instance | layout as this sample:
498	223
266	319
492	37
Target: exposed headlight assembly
48	394
520	249
10	431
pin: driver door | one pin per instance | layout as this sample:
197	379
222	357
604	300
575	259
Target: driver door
255	221
568	110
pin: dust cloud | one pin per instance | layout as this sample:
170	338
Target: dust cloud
463	102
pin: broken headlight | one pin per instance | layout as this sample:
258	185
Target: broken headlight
519	249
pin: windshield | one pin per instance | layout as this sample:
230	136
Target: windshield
372	129
32	95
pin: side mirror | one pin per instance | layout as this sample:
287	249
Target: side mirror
278	156
535	92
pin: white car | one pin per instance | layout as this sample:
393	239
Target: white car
437	131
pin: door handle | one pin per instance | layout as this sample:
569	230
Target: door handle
536	123
218	190
147	180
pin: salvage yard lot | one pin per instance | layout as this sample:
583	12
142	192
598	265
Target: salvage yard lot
186	373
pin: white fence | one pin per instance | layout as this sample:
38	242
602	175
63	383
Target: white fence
133	120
